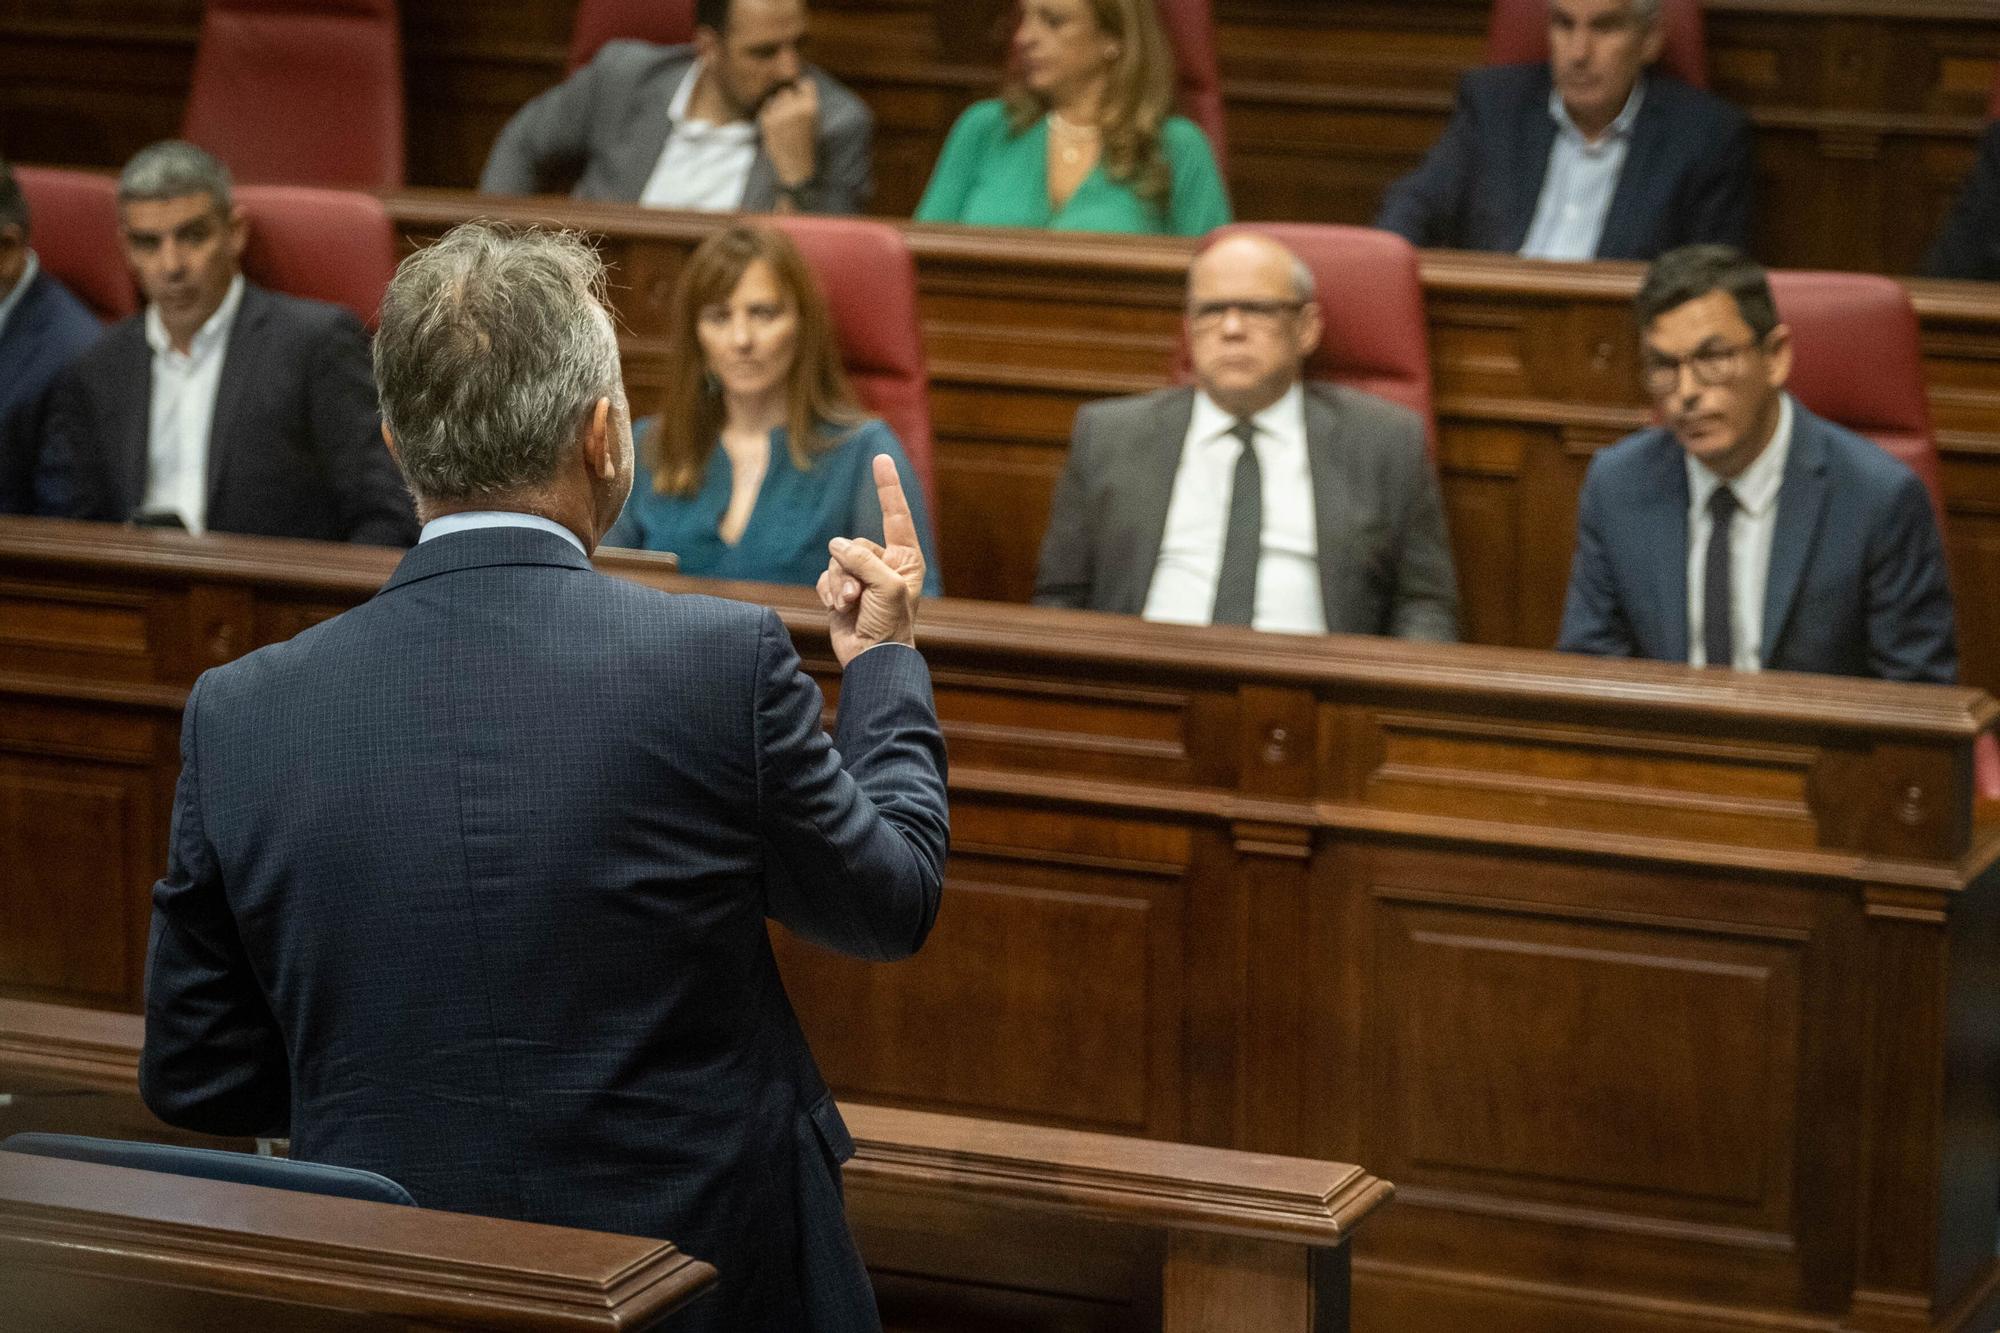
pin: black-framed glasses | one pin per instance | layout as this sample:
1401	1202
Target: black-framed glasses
1711	366
1208	314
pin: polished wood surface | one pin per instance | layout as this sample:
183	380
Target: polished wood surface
1865	111
85	1247
1165	1236
1665	997
1535	366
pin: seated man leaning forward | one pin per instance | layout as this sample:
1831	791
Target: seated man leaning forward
222	407
737	120
1254	498
1590	156
468	885
1746	531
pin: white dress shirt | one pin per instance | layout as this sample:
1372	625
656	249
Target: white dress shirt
184	412
1750	532
703	165
1577	187
1289	594
471	519
20	289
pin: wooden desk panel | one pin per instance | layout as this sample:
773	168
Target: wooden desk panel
1665	997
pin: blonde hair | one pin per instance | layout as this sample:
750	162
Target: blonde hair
822	408
1138	98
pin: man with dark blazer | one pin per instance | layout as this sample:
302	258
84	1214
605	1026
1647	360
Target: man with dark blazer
222	407
1968	245
1747	532
1253	498
1590	155
735	120
43	328
469	885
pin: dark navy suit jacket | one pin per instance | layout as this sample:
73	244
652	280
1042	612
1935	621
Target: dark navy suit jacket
48	331
295	448
1686	178
1857	585
469	887
1968	245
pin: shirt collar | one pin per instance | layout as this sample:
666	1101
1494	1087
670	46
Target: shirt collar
1211	423
13	298
473	519
213	332
1620	126
1756	486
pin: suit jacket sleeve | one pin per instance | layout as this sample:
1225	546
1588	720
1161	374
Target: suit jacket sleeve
1720	202
214	1058
1426	605
857	826
1969	245
1424	207
1064	576
548	140
845	168
1594	620
61	483
347	436
1911	628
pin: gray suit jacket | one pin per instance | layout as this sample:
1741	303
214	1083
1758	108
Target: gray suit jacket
608	121
1384	557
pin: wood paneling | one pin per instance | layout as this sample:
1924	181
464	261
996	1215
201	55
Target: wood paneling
1665	996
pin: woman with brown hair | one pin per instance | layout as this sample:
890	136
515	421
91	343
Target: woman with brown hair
760	456
1083	138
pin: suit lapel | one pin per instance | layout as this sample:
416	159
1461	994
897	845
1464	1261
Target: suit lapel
1801	504
1659	539
241	359
1531	164
647	125
1151	485
1629	215
131	426
1332	524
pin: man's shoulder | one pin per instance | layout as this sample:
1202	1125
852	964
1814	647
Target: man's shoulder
1683	104
1506	87
1378	417
1633	461
839	105
627	58
1863	464
114	355
1135	409
62	310
304	313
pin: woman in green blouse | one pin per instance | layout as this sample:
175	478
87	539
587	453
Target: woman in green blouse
1083	138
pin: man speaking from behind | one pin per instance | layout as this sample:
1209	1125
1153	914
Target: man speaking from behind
468	886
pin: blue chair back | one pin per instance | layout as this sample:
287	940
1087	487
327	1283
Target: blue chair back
278	1173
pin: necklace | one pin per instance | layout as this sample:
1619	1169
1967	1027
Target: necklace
1073	140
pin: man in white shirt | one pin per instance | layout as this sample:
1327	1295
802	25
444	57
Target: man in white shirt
1747	532
222	406
736	120
1254	498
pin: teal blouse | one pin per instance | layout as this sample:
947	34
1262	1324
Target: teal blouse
988	177
796	514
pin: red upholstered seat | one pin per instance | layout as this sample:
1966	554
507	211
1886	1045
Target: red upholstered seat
331	245
1518	33
301	92
1190	26
1856	361
1993	98
1371	301
870	283
73	217
667	22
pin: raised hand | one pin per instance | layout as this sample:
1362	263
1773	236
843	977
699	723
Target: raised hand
788	124
870	591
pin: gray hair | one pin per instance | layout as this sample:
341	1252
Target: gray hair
1304	287
1647	12
174	169
493	344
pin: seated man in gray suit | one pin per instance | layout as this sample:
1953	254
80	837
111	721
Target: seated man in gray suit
735	121
1746	531
1254	498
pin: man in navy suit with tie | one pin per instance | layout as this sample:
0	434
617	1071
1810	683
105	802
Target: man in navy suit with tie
1590	155
469	885
1747	532
43	328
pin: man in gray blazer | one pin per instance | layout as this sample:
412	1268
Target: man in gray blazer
1328	522
736	120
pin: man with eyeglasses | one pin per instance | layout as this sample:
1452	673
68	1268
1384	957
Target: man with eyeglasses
1746	532
1253	498
735	120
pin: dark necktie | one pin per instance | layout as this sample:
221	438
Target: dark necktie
1718	606
1242	541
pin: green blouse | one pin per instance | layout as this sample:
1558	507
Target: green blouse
990	177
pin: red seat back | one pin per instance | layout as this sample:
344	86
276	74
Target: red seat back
1371	304
1993	98
1518	34
870	282
330	245
73	225
665	22
1190	26
301	92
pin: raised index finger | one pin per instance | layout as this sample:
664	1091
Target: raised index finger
898	528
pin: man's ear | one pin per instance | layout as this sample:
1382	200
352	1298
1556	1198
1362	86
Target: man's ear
389	442
1778	356
1655	40
238	223
1311	329
600	454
